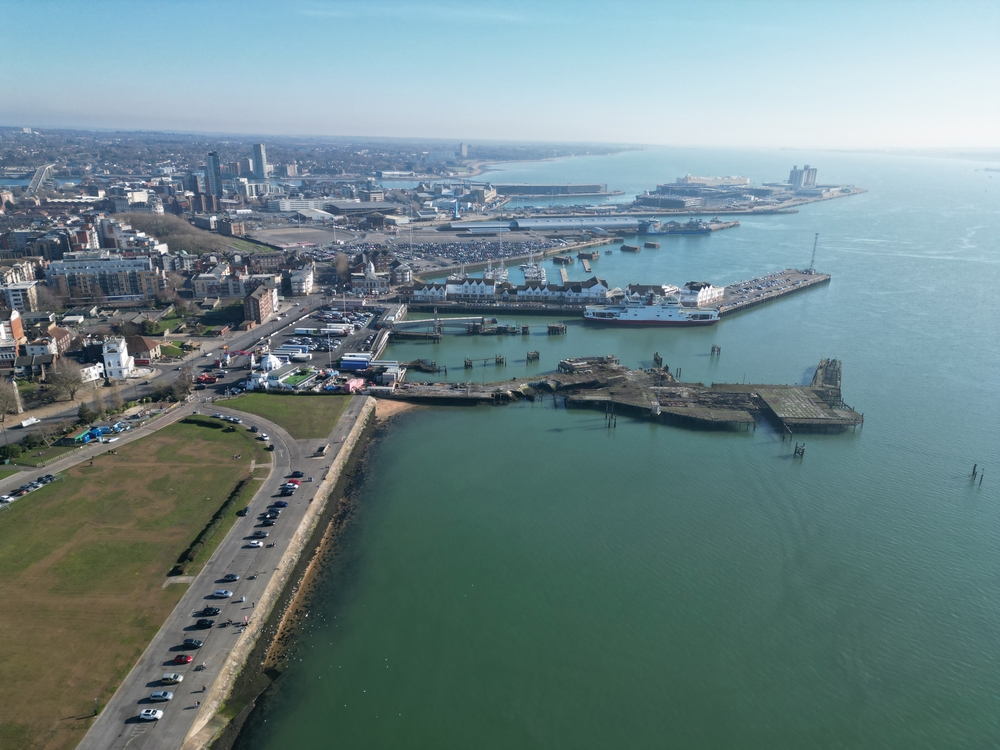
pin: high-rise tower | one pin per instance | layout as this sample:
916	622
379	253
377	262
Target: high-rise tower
214	175
259	161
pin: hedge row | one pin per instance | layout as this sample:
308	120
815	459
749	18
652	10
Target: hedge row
212	528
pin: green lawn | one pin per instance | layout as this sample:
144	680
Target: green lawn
38	457
171	351
83	562
303	416
249	247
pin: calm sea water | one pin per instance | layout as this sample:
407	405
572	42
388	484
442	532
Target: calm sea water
524	577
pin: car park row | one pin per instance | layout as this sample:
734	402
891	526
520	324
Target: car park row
206	616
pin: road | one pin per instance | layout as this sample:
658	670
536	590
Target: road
38	179
118	726
292	316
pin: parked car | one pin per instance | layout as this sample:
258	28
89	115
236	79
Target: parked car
255	428
6	498
161	695
151	714
264	437
172	678
192	643
183	659
217	415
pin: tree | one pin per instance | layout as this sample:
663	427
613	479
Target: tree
97	406
10	452
181	388
115	400
66	379
343	267
48	299
9	401
86	415
149	328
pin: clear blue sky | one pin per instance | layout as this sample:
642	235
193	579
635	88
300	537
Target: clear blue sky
840	74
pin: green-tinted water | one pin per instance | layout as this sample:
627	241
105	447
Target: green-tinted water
523	577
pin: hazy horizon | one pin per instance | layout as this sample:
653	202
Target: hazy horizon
837	76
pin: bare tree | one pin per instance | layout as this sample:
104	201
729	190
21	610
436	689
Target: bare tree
115	400
9	402
48	298
66	379
343	267
97	406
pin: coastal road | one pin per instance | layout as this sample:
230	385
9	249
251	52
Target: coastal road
118	726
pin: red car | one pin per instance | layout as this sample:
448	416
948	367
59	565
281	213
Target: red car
294	481
183	659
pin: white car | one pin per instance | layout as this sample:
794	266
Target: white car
6	498
222	594
151	714
255	544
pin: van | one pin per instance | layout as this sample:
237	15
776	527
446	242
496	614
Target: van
321	451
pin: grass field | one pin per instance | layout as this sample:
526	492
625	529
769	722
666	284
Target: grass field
82	563
37	457
171	351
303	416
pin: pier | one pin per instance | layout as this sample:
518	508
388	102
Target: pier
602	383
744	295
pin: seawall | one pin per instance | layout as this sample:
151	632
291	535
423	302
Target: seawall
242	677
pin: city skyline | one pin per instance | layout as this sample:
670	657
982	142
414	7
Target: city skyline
775	74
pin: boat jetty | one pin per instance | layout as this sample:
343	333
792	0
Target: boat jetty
601	382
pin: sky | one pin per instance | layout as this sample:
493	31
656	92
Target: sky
753	73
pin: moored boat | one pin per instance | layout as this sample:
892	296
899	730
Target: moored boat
651	310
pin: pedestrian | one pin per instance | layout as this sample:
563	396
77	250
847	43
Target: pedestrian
253	604
204	688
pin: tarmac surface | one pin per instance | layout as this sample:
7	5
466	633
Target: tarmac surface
198	696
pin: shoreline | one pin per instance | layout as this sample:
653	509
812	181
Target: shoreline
257	671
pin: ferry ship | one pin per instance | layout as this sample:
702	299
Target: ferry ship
651	310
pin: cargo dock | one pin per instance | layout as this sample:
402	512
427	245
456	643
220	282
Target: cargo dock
602	383
744	295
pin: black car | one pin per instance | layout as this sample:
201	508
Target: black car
280	504
192	643
255	429
267	522
204	624
298	474
210	612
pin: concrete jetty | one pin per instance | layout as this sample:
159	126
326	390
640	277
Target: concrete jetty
744	295
602	383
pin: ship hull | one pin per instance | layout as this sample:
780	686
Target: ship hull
651	323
